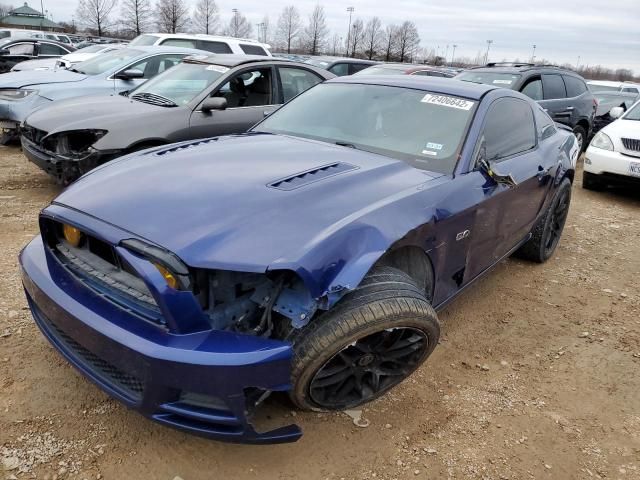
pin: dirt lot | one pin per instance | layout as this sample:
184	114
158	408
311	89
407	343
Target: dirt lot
536	377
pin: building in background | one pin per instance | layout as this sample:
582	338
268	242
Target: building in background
27	18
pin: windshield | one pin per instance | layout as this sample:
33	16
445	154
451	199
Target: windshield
104	63
318	63
506	80
182	83
633	113
381	71
423	129
144	40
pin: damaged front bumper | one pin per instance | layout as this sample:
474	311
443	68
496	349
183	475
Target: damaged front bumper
64	169
204	382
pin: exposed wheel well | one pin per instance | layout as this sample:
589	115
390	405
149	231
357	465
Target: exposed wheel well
584	124
414	262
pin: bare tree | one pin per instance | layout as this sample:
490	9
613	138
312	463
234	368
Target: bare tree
95	13
239	26
288	27
206	18
356	38
408	40
372	37
172	15
336	41
315	33
390	41
136	16
5	9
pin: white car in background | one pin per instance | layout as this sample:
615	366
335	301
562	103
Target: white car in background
67	60
200	41
610	86
613	157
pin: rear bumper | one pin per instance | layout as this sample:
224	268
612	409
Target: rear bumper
197	382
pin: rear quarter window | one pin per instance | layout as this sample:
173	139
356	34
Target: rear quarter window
179	42
252	49
575	86
214	47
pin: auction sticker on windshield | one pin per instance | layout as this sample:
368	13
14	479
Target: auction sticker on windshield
446	101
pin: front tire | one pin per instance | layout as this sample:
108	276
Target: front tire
374	338
590	181
548	229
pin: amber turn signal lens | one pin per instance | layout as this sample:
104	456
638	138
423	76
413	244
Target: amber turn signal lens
72	235
168	276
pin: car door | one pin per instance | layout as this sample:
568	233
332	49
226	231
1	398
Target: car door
555	101
251	94
295	80
506	215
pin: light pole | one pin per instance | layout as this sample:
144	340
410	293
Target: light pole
453	55
578	62
486	57
533	54
350	10
235	22
446	55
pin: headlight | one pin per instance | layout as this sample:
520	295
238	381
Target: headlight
71	235
174	272
15	93
602	140
74	143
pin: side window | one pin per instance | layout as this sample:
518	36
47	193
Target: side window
179	42
340	69
509	129
356	67
533	89
214	47
630	90
296	80
252	49
544	125
553	87
575	86
250	88
21	49
50	49
154	65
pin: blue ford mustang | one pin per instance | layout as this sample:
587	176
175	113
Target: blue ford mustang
306	256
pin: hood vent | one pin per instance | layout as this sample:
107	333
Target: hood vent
310	176
184	146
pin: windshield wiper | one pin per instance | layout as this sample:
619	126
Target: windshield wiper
154	99
348	145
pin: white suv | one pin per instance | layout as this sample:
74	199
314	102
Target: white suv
614	153
210	43
609	86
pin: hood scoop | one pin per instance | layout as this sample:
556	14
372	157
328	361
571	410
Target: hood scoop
184	146
311	176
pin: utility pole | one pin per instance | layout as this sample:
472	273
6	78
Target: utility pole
350	10
578	63
486	57
533	55
453	55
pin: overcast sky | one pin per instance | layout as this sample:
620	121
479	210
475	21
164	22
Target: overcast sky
598	31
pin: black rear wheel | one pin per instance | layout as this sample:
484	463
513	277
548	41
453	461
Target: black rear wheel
372	340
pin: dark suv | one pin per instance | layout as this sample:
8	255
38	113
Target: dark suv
562	93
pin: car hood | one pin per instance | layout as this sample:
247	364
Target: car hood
91	111
214	202
38	77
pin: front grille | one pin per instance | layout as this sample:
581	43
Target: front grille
104	371
631	144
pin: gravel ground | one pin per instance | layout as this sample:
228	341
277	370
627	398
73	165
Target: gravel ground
536	377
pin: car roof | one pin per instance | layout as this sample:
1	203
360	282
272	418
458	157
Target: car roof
160	49
474	91
204	36
326	58
508	67
230	60
34	40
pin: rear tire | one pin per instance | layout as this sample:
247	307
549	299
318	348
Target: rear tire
374	338
581	135
591	181
548	229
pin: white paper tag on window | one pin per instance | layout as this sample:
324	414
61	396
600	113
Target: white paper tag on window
446	101
217	68
502	82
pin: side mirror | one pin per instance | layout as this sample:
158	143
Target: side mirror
616	112
130	74
214	103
